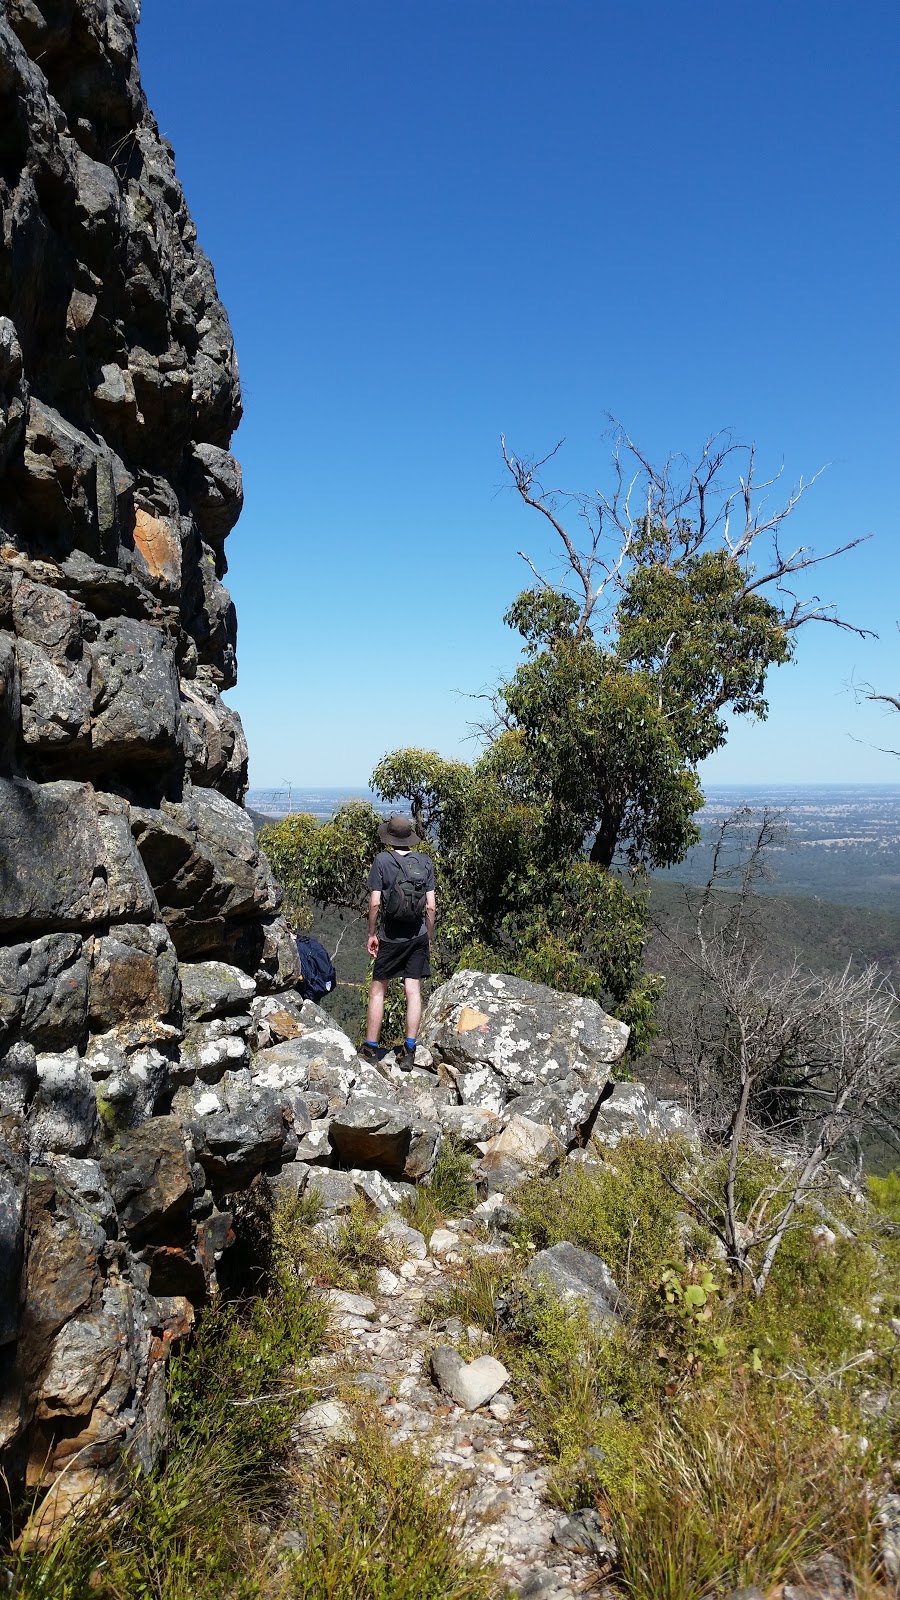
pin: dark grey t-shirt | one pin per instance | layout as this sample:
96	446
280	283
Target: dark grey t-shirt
385	868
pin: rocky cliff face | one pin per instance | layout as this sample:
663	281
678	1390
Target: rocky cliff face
127	861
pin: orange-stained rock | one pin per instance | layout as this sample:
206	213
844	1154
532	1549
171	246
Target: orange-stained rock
159	542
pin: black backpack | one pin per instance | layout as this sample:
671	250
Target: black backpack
404	899
317	968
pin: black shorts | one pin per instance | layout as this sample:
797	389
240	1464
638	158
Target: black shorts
402	958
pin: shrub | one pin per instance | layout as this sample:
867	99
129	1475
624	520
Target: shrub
351	1260
621	1209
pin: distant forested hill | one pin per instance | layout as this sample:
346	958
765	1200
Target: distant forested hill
823	936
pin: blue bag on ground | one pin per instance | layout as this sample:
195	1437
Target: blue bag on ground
317	968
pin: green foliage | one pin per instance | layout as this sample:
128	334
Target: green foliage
451	1184
325	863
884	1194
729	1490
600	756
717	1433
450	1191
378	1527
622	1210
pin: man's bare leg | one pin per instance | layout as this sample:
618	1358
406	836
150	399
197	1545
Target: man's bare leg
413	987
375	1013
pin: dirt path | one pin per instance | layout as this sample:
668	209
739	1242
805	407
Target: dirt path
384	1342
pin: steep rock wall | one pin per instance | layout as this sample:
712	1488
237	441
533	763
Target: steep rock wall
127	861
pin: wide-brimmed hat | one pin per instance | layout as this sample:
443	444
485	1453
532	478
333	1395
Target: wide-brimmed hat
399	833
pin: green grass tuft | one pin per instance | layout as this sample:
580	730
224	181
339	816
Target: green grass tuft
379	1526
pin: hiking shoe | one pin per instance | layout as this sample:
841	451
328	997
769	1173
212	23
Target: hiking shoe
406	1059
366	1053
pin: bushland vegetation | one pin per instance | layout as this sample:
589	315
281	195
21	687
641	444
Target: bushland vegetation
725	1437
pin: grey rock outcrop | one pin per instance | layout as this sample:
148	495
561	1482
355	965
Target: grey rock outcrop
528	1034
124	844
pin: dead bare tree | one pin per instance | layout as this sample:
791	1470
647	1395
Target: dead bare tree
867	691
716	501
786	1063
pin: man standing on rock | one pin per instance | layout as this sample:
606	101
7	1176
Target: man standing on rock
401	892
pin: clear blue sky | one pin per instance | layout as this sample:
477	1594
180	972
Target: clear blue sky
433	221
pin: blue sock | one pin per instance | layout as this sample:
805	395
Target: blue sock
410	1044
371	1044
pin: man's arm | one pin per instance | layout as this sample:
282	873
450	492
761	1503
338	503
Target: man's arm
430	912
374	906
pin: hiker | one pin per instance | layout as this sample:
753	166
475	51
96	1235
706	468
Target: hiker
401	892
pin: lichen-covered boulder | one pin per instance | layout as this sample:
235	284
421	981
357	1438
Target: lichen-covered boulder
631	1110
527	1034
213	989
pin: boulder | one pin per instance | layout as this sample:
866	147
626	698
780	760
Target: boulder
213	989
385	1194
52	858
212	1049
55	700
408	1242
470	1383
470	1126
136	1090
202	860
384	1134
264	946
335	1191
13	1180
18	1082
481	1086
216	489
532	1147
238	1129
63	1115
136	712
525	1032
216	751
134	973
579	1278
631	1110
327	1422
66	1252
131	896
568	1105
584	1532
44	990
